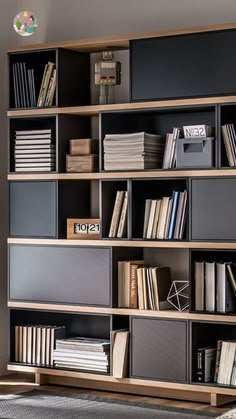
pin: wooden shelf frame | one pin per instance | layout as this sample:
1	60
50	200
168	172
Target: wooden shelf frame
169	244
95	110
163	314
116	41
152	174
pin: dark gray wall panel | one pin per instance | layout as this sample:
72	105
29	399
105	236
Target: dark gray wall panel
33	209
76	275
159	349
213	209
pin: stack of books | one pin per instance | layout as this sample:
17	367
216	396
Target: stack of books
118	226
169	160
35	344
215	287
24	86
165	218
83	354
217	364
142	287
34	151
48	85
137	151
229	137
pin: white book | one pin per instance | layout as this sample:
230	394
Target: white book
156	218
162	218
116	213
210	286
151	218
123	217
34	169
179	215
199	286
168	218
33	142
140	289
34	132
146	217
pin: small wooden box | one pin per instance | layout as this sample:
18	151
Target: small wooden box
83	147
83	228
82	163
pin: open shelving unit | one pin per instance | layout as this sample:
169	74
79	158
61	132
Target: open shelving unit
43	265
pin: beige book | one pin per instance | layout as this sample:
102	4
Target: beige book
162	218
156	218
183	217
41	87
210	286
46	83
146	217
51	91
120	354
155	289
140	289
38	345
145	294
53	88
228	146
43	346
151	218
20	343
48	341
17	336
25	344
123	217
34	331
121	281
116	213
52	343
29	344
199	286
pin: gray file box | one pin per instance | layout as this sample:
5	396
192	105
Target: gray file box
194	152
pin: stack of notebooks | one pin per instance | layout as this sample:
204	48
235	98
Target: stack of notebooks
83	354
143	288
34	151
169	160
35	344
165	218
137	151
217	364
118	226
24	86
229	137
215	287
48	85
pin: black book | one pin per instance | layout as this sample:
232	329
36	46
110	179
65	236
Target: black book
206	359
18	85
26	84
22	89
15	87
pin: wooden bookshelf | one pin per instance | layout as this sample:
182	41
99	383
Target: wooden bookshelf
42	261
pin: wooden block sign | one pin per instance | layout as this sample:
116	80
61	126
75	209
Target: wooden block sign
83	228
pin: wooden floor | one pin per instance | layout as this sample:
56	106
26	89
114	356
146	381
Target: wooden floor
19	383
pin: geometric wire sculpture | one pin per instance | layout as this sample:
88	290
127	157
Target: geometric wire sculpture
178	295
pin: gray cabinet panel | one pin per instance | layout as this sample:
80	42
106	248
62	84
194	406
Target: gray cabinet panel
159	349
73	275
33	210
213	209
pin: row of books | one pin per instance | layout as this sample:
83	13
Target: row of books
34	150
217	364
215	287
48	85
83	353
165	218
144	288
135	151
35	344
118	226
229	137
24	86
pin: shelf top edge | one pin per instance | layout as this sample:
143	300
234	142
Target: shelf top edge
116	41
92	110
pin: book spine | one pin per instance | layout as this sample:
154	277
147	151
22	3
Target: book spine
200	372
133	287
217	365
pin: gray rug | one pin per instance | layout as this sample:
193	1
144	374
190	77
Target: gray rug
38	404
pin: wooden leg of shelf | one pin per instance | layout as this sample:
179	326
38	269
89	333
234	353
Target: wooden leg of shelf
220	399
41	379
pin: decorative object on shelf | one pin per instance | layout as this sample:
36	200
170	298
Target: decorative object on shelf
195	152
83	156
25	23
83	228
178	295
107	75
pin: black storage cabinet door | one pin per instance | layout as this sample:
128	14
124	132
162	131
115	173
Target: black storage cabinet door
58	274
213	209
159	349
33	209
